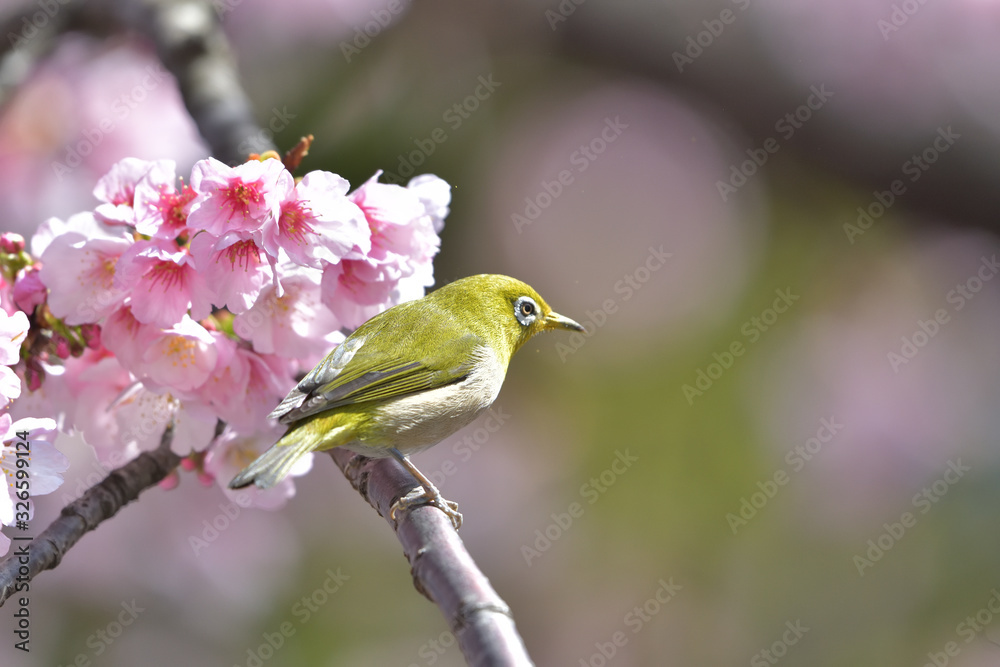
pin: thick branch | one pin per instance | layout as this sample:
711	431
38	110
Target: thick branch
442	568
100	502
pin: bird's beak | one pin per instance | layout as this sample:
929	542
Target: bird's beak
557	321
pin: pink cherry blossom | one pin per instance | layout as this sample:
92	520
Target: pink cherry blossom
161	209
234	267
11	243
79	271
435	194
246	386
163	283
13	330
29	291
390	211
240	198
10	386
84	224
404	224
117	188
318	223
180	359
296	324
127	338
357	290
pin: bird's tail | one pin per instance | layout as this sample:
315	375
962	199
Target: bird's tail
272	466
318	433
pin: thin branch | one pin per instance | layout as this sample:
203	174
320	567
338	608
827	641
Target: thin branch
99	503
442	568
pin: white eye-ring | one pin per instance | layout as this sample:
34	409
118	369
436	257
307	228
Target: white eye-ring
525	310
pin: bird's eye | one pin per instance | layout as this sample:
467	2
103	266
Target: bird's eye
525	309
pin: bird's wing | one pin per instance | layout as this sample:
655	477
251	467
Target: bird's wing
353	374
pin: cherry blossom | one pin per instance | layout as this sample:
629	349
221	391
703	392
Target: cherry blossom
235	268
318	223
162	282
78	267
13	330
240	198
296	324
161	208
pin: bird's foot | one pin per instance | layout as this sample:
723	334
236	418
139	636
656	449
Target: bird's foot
420	496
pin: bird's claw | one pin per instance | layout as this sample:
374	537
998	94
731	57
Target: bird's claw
419	496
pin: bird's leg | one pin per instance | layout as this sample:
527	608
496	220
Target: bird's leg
428	495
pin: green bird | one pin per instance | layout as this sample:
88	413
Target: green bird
408	378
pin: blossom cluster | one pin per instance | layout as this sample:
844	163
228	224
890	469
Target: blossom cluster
198	302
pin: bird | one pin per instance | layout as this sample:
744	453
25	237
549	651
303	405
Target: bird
408	378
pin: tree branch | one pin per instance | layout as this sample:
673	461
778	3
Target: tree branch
442	568
99	503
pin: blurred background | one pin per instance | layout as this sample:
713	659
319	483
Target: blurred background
777	442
